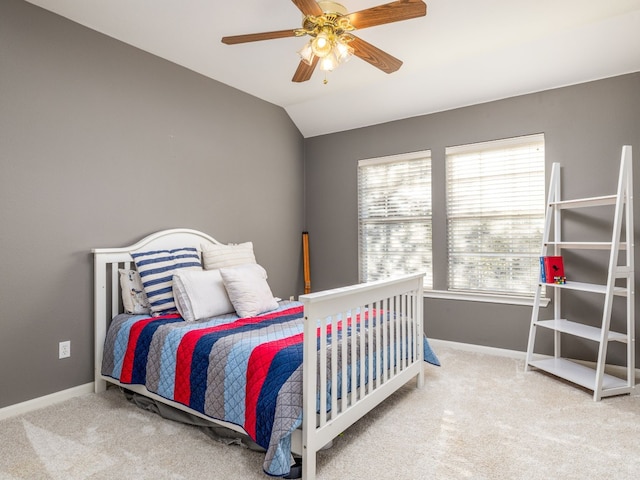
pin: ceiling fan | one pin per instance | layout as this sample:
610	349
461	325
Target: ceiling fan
329	26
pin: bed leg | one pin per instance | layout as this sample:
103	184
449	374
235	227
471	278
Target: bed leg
99	386
420	378
308	465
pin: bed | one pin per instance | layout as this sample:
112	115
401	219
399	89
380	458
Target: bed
292	377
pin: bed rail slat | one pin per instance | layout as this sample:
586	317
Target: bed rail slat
404	334
355	354
334	365
385	340
322	352
397	330
344	361
369	314
377	315
362	350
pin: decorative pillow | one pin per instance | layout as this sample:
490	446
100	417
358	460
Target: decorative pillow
248	289
200	294
156	269
134	299
221	256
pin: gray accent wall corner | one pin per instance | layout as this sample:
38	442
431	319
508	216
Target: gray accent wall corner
102	144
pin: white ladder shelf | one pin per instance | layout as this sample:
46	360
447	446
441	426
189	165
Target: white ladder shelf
620	283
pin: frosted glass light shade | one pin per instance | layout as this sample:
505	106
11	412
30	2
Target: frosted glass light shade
321	45
342	51
329	62
306	53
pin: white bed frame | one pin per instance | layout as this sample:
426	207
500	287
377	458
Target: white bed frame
401	298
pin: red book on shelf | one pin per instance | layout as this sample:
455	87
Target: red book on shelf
554	270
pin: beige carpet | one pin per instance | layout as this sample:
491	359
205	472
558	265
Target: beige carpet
478	417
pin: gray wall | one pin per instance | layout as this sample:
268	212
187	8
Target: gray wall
585	127
101	144
91	129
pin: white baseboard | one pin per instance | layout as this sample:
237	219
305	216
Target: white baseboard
41	402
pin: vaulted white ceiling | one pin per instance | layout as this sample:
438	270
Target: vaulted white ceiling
463	52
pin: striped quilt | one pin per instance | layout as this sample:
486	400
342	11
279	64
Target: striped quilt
245	371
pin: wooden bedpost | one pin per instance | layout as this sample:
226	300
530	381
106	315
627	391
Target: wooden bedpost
305	264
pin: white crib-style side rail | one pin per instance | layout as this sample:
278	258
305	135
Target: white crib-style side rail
381	357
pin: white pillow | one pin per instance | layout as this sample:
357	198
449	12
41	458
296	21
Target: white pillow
220	256
134	299
248	289
200	294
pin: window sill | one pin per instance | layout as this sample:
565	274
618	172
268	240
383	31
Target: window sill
484	298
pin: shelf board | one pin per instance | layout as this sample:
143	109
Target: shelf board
579	374
587	287
580	330
586	245
586	202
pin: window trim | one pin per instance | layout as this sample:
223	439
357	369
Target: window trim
507	299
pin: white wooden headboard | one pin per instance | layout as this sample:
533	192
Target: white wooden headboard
107	261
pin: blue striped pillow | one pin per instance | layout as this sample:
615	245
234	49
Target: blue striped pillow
156	269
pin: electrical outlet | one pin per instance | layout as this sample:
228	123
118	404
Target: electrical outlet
64	349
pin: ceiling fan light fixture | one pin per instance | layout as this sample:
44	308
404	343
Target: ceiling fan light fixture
306	53
342	51
329	62
329	25
322	45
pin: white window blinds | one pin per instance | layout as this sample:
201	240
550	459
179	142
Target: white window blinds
495	215
394	213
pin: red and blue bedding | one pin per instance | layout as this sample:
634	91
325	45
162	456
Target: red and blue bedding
245	371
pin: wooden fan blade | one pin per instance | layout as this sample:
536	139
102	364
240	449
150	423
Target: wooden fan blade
376	57
304	71
388	13
255	37
308	7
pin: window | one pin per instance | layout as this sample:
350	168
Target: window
495	215
394	214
